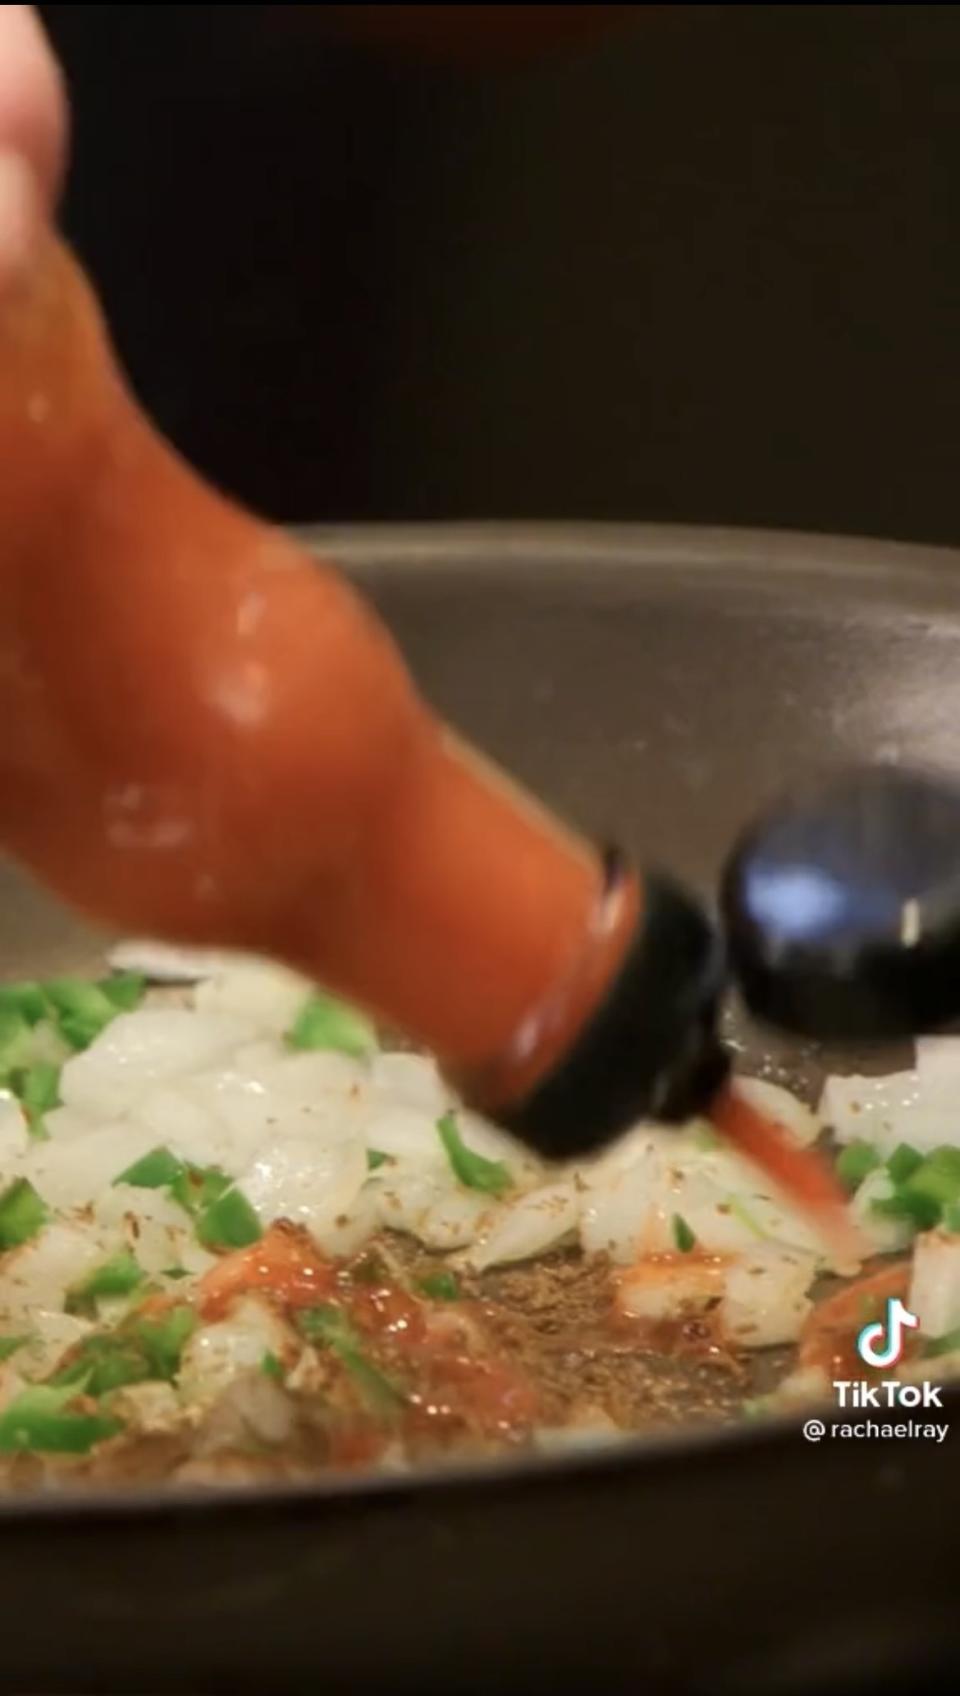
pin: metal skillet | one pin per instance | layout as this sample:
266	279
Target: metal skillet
657	685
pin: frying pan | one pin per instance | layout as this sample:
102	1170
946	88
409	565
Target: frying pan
657	685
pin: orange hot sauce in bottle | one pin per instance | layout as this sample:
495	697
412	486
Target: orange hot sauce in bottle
211	738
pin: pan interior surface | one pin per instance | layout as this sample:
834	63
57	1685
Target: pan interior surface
659	687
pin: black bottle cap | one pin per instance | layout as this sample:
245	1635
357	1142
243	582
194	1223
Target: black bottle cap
651	1049
842	908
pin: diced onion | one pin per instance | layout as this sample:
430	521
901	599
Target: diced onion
138	1050
920	1106
781	1104
216	1354
524	1228
765	1296
670	1287
39	1273
624	1217
14	1137
270	996
935	1283
304	1181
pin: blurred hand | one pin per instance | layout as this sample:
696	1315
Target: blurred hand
33	134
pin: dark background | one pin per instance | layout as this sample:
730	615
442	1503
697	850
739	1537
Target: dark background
704	267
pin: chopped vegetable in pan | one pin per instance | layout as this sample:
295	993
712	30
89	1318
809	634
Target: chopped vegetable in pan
236	1233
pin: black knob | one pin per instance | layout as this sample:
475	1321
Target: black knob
842	908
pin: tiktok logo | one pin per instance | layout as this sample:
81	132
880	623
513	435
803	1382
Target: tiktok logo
881	1343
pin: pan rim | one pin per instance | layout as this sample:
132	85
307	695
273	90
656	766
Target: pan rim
640	1455
466	544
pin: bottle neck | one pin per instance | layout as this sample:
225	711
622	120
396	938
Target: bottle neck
543	1038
